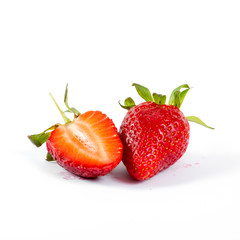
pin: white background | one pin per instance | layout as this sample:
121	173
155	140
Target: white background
100	48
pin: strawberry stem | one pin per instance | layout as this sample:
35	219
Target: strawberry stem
65	118
72	110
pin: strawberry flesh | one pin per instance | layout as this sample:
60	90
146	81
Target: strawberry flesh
88	147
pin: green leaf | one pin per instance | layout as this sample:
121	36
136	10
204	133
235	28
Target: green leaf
180	87
39	139
143	92
198	121
128	103
159	98
182	96
163	100
156	97
177	96
177	100
72	110
49	157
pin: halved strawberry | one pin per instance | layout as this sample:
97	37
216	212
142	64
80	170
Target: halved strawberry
89	146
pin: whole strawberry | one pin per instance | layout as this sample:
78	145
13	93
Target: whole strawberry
88	146
154	135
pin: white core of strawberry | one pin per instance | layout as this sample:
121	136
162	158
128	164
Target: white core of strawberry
81	136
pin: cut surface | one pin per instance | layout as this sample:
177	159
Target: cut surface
91	141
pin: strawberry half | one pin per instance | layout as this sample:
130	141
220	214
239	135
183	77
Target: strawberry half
89	146
154	135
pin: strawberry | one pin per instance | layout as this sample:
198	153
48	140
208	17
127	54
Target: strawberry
154	135
88	146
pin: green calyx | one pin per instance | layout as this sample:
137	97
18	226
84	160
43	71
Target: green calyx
49	157
128	103
39	139
198	121
177	96
176	99
146	95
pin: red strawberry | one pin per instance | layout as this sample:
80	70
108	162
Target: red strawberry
89	146
154	135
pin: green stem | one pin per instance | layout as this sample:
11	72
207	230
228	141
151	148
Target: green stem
65	118
72	110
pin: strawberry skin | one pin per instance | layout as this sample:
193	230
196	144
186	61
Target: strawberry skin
154	137
89	146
